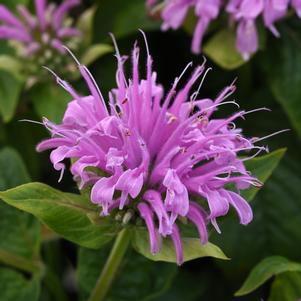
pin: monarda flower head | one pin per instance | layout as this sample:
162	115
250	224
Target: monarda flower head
164	157
40	38
243	12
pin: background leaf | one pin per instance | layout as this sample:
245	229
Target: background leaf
12	65
222	50
94	52
262	167
49	100
13	172
10	89
11	4
266	269
282	66
19	232
186	286
121	18
286	287
16	287
19	236
85	25
23	137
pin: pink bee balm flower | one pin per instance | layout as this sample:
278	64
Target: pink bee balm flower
41	34
154	153
244	12
174	14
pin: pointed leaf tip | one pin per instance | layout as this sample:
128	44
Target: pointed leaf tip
192	248
266	269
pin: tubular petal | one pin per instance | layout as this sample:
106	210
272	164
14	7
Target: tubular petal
176	238
147	215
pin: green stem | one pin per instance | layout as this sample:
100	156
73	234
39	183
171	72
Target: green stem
54	285
52	278
21	263
108	273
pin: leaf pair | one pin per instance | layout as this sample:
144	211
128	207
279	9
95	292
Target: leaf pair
73	217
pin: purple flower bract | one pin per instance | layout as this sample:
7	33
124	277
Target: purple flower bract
243	12
163	155
40	33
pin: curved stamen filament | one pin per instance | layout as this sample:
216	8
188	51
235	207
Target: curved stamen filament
196	93
257	110
255	140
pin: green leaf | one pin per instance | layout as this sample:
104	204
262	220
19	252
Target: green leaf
19	232
24	136
49	100
10	88
16	287
262	167
192	248
266	269
137	279
121	18
222	50
94	52
12	169
67	214
19	237
12	65
189	23
286	287
85	25
184	286
284	76
6	49
12	4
